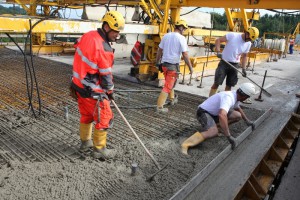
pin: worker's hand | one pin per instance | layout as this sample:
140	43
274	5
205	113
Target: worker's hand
250	123
111	96
219	55
232	141
100	96
244	72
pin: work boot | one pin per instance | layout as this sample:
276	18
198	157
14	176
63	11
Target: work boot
103	153
162	110
298	95
85	145
194	140
174	100
100	139
162	99
85	136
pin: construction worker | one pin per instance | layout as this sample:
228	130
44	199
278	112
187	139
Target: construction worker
171	47
235	51
291	47
223	109
93	82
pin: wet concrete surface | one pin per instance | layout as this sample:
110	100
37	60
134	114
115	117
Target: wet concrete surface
39	157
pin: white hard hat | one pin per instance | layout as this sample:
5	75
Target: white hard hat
247	88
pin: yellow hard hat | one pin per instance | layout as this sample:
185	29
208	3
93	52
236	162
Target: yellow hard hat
253	33
115	20
181	22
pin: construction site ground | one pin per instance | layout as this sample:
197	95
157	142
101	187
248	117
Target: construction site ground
39	157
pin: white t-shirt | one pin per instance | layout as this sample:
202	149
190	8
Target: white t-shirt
223	100
235	46
173	44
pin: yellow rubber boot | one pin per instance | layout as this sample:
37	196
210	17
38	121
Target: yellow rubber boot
212	92
85	131
194	140
173	98
161	101
100	150
85	136
172	94
100	139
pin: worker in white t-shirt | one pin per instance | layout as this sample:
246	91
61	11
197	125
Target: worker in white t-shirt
235	52
222	108
171	47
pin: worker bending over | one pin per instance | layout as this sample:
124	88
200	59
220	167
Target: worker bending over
92	82
171	47
222	108
235	51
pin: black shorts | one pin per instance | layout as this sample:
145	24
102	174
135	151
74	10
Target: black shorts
208	120
205	119
224	70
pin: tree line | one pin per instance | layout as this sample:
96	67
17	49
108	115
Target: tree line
278	23
13	10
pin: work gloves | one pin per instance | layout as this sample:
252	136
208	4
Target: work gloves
244	73
111	96
250	123
232	141
100	96
219	55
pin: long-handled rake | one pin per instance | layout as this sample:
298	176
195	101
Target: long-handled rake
137	137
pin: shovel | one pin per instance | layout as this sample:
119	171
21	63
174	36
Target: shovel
137	137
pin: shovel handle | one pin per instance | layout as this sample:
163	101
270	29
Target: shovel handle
137	137
263	90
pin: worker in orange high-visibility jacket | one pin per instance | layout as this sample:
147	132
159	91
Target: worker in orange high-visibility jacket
92	82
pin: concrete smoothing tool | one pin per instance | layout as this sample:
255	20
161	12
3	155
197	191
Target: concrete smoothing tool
262	89
137	137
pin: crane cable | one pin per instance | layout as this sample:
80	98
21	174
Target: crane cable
29	72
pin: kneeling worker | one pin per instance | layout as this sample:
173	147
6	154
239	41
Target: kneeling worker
220	108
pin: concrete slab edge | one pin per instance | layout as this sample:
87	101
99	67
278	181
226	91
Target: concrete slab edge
196	180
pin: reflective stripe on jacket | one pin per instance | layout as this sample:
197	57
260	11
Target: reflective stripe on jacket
92	67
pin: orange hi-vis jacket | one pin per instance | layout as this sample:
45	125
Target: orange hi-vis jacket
92	67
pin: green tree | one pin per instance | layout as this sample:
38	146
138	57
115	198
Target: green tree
13	10
278	23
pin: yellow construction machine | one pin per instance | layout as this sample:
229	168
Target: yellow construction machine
161	15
